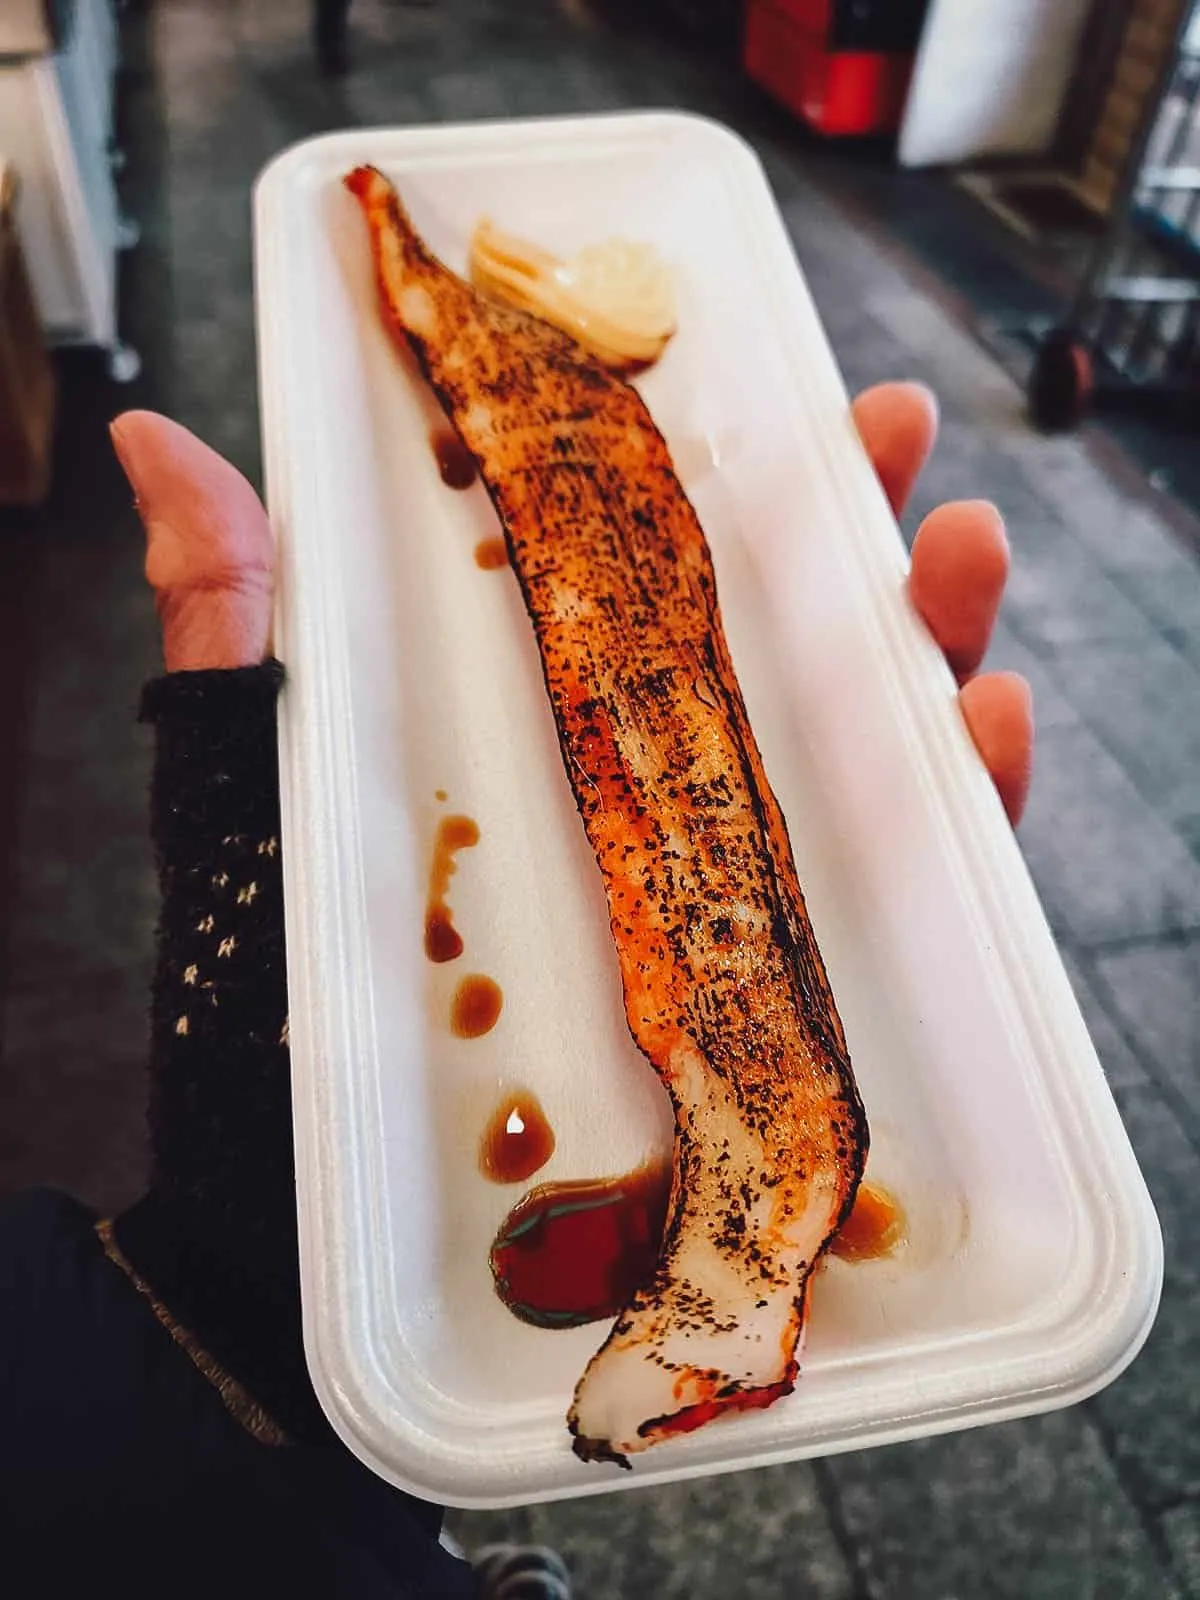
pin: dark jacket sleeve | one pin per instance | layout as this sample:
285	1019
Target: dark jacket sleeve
216	1234
122	1471
145	1362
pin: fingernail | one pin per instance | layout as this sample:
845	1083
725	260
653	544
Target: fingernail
117	435
126	451
120	450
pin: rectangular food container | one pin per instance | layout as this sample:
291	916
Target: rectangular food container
1032	1264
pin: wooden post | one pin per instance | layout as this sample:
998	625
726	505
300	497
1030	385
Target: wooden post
27	387
1148	38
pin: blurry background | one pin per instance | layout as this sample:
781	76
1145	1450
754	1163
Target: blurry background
999	197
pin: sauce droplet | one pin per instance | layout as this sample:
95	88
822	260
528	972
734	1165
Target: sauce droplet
440	795
455	462
570	1253
443	942
491	554
518	1140
874	1228
475	1008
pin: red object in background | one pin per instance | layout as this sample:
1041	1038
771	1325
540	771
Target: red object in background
838	92
814	16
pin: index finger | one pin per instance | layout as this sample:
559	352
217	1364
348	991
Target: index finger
897	422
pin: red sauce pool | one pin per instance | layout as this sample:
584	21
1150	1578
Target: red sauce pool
443	942
570	1253
518	1140
475	1008
455	462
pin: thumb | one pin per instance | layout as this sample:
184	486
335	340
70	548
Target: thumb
209	552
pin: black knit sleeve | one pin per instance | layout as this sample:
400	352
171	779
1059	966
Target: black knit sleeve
215	1237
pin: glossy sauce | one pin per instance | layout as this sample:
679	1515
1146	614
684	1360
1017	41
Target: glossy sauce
570	1253
475	1008
455	462
873	1229
518	1140
491	554
443	942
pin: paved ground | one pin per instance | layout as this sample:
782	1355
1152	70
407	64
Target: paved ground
1103	615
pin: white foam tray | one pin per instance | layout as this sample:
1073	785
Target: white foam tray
1034	1260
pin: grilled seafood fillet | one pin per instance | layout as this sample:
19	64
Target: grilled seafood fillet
724	988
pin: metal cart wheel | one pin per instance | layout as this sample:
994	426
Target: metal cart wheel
1062	381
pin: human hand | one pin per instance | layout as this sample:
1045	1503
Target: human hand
210	555
210	560
956	583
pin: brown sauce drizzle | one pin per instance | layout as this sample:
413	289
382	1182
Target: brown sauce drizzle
491	554
443	942
874	1228
570	1253
455	462
518	1140
475	1008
